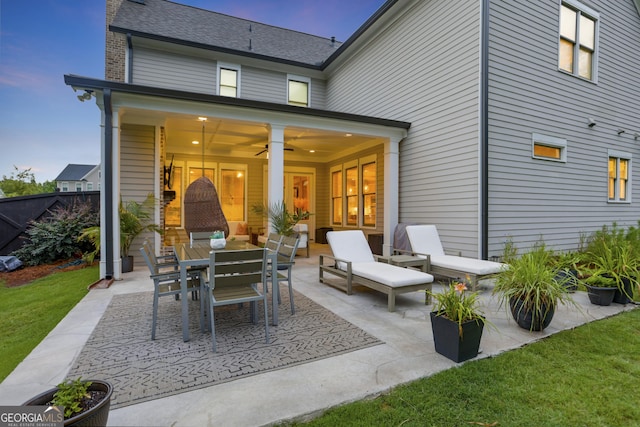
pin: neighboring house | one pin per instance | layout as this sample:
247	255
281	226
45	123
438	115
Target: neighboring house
79	178
494	120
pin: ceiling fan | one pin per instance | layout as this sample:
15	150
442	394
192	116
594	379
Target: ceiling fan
266	148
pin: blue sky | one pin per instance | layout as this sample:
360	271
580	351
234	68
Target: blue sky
44	127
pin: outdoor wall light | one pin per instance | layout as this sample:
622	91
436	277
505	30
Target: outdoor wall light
592	122
86	96
620	132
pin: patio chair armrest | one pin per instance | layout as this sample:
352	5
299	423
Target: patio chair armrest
428	257
397	251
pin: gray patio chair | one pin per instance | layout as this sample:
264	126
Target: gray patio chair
286	259
233	279
167	283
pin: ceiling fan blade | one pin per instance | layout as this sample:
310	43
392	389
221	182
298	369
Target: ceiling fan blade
257	154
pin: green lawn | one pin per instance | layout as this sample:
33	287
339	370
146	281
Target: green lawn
588	376
31	311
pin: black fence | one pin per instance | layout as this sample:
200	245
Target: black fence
17	212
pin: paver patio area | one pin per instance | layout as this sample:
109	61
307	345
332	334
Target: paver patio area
407	353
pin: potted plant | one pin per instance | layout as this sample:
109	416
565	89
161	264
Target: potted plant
601	289
86	403
280	218
568	270
135	218
456	323
531	288
611	253
217	240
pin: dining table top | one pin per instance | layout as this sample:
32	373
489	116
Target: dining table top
200	250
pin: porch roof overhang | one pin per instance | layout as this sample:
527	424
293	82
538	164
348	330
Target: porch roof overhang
91	84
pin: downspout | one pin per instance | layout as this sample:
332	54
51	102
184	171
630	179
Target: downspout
129	76
484	132
108	179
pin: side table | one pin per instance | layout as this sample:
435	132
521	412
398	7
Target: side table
405	261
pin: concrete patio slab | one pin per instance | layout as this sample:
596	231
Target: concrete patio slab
299	391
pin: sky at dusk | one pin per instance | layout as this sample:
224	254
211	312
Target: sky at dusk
44	127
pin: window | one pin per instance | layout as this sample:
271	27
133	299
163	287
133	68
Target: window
298	91
65	186
549	148
78	186
228	80
578	39
354	192
351	176
336	196
619	176
369	194
89	186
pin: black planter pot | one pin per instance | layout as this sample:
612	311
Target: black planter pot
527	319
569	278
623	296
94	417
127	264
601	296
448	341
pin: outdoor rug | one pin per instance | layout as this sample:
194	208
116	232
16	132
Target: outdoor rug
121	351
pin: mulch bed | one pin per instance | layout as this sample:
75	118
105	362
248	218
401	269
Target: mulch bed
28	274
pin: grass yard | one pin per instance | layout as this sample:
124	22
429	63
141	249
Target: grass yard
31	311
588	376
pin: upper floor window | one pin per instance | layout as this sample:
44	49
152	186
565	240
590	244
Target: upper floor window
78	186
578	40
298	90
65	186
228	80
619	176
89	186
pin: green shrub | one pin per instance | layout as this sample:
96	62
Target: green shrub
56	237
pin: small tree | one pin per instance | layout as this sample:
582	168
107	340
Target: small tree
23	183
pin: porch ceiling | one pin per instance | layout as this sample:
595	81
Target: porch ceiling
226	137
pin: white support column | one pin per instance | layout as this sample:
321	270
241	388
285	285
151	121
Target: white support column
117	256
391	188
276	165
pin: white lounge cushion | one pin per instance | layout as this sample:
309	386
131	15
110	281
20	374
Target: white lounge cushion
350	245
303	229
471	265
425	240
390	275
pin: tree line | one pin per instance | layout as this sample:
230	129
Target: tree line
23	183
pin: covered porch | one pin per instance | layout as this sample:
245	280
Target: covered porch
157	141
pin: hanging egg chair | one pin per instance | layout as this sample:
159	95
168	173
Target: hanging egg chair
202	210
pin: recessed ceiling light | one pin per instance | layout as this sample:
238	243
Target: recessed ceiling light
312	151
202	119
195	142
348	134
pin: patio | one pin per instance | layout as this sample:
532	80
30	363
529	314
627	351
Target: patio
406	354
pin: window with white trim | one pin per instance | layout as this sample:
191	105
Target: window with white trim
548	147
578	40
89	186
65	186
229	80
619	169
353	193
78	186
368	173
336	195
298	90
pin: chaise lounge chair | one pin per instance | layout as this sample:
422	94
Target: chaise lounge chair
425	242
353	260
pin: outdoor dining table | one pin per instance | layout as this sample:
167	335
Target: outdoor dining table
197	254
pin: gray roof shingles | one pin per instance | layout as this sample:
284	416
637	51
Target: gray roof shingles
74	172
168	20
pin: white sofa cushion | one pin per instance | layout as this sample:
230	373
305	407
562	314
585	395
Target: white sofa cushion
233	230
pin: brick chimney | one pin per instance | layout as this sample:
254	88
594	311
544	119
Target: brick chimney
115	46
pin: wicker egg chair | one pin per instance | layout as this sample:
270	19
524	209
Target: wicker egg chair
202	210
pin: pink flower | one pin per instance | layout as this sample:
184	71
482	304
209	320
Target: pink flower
460	287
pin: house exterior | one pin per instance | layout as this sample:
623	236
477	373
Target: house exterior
494	120
79	178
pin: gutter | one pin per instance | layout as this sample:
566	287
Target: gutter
129	77
484	132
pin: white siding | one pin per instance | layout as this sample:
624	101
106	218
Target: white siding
532	198
173	71
424	69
